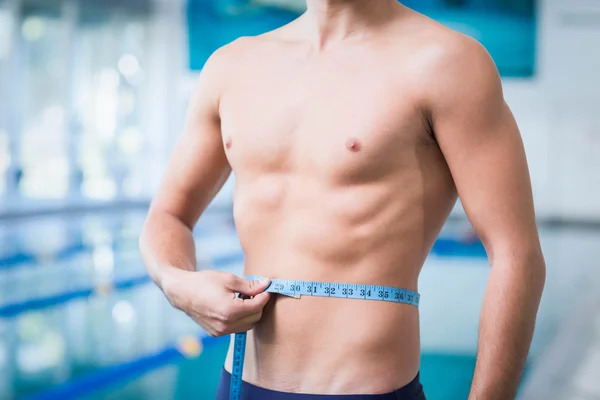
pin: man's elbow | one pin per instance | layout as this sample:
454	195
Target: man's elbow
145	234
537	269
145	240
531	268
525	265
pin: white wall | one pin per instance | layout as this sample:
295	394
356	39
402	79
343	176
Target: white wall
559	111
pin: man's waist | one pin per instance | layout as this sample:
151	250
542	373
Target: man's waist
354	352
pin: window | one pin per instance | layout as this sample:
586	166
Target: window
43	149
81	91
6	39
111	76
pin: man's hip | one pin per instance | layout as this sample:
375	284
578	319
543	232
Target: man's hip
412	391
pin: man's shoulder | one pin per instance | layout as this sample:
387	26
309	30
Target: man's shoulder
451	70
447	61
438	66
241	50
231	52
442	48
225	63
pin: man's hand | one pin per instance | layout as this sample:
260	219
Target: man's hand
197	170
210	299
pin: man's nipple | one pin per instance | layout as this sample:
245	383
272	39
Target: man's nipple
228	143
353	145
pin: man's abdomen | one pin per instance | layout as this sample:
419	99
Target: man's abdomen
327	345
330	345
379	233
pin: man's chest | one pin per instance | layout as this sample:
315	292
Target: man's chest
344	121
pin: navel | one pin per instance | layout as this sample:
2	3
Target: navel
353	145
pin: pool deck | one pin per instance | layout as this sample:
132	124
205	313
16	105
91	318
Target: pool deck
570	368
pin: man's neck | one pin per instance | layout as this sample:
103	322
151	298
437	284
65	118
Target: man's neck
329	21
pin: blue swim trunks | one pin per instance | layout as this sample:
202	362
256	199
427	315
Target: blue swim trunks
412	391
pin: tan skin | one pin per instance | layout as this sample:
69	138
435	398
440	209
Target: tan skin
350	131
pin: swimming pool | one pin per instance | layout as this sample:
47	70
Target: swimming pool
79	318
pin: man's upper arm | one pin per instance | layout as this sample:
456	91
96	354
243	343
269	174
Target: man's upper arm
481	143
198	167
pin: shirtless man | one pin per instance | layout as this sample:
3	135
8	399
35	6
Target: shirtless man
350	131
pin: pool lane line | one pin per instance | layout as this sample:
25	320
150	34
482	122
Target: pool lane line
17	259
37	304
108	376
447	247
33	259
16	309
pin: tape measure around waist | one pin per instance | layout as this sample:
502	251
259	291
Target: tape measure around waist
297	289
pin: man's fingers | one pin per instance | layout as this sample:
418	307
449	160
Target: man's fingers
245	324
243	308
257	303
245	286
249	320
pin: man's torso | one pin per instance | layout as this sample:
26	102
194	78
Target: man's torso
338	178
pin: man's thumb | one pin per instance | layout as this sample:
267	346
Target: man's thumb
250	287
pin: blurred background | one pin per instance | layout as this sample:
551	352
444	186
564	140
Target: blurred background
92	97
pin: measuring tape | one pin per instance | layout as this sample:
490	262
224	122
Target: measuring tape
298	289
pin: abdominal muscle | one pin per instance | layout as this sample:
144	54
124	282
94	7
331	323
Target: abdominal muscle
365	235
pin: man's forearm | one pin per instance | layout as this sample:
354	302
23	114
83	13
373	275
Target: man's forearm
167	247
507	324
